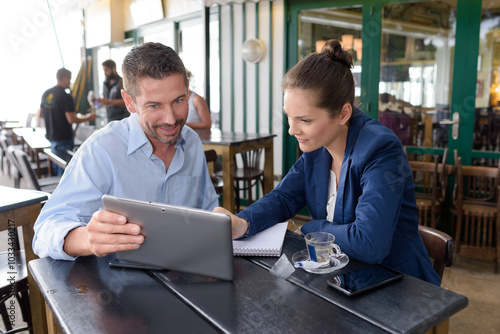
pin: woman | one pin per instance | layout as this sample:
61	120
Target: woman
198	115
353	176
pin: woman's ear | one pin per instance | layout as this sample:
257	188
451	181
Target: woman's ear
345	114
129	102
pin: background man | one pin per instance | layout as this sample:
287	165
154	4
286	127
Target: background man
58	110
112	97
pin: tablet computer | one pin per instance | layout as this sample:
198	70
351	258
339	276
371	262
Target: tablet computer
176	238
365	279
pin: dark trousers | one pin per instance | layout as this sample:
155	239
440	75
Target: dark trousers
60	148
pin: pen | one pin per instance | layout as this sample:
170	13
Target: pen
298	228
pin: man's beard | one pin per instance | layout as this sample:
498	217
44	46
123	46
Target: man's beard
111	77
172	139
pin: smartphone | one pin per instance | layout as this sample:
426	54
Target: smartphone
365	279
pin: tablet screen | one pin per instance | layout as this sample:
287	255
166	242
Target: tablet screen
364	279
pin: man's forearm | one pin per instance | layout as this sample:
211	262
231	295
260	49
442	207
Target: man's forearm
76	242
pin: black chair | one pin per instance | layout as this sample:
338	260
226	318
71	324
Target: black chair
15	172
17	289
476	211
440	247
217	181
3	159
4	144
430	180
47	184
248	175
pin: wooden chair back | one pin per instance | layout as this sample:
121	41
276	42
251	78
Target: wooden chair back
15	169
430	180
251	159
477	183
26	170
440	247
250	173
476	206
4	163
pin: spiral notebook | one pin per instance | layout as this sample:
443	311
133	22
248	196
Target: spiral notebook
268	242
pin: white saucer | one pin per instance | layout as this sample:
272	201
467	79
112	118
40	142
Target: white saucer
303	255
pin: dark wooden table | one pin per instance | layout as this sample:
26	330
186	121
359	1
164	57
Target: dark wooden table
228	144
21	207
87	296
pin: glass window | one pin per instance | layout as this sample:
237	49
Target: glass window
487	115
416	70
319	25
117	54
163	34
214	70
190	48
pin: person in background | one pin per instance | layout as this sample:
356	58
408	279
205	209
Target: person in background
58	112
199	115
353	175
149	156
112	97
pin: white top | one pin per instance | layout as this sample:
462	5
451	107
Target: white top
193	115
332	196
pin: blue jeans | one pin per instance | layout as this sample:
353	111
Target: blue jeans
60	148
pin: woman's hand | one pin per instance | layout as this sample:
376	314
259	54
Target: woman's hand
238	225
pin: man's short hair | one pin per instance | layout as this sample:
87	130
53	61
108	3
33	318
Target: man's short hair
109	63
152	60
63	73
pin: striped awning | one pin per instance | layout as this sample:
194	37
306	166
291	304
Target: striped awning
81	87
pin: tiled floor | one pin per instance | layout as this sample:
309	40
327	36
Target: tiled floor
470	277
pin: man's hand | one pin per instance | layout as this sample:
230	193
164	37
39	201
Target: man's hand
103	101
106	233
238	225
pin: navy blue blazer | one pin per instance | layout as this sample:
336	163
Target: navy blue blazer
376	216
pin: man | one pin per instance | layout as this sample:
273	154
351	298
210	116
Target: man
115	106
149	156
58	110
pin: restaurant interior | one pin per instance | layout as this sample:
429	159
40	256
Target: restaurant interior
428	70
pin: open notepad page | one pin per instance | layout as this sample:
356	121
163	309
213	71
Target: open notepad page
265	243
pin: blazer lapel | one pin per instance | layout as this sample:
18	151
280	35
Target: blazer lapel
357	122
322	167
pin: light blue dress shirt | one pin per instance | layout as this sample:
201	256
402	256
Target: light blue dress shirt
119	160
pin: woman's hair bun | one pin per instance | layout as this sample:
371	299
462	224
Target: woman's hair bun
333	49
